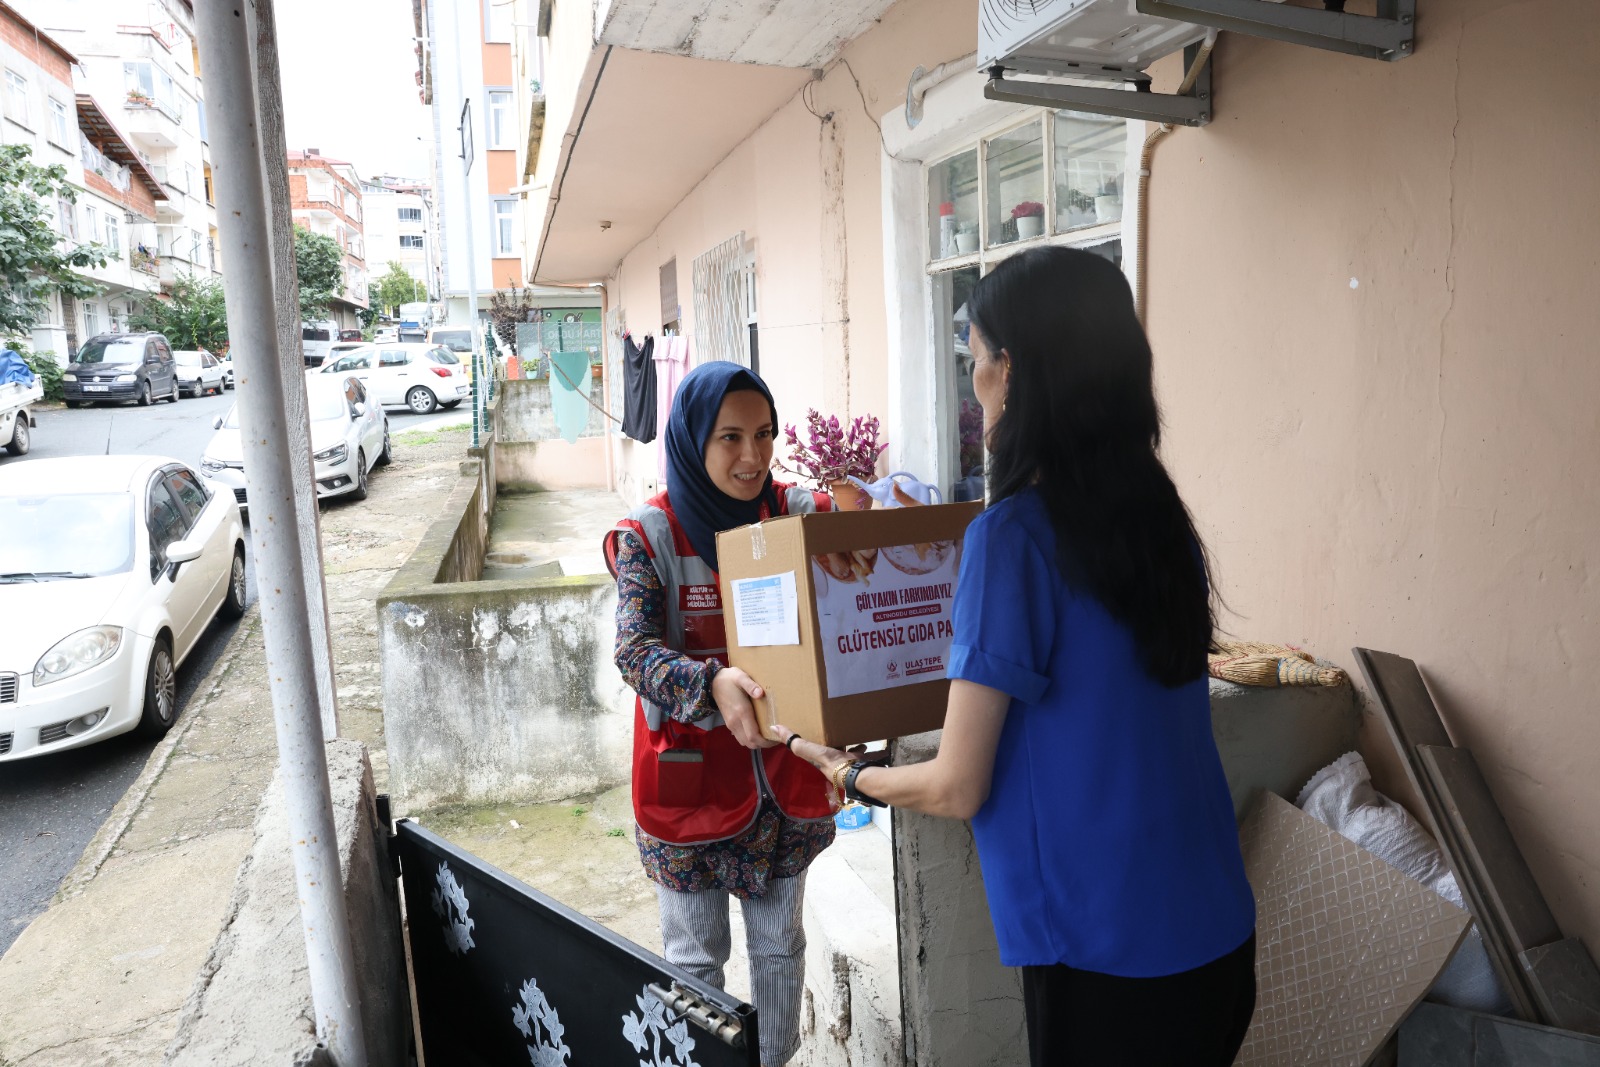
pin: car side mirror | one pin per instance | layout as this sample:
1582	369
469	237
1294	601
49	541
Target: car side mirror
357	410
216	423
184	551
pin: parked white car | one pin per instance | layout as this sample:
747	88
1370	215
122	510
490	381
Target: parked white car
349	436
422	377
199	372
111	567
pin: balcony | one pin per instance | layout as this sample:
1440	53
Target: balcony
144	261
153	123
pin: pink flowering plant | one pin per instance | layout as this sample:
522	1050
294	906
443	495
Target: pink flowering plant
833	450
1027	209
970	426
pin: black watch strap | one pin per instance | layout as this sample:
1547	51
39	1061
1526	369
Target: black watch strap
852	793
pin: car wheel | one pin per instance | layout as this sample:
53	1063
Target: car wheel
194	393
22	437
451	404
233	604
74	403
160	691
172	397
145	399
421	401
386	457
360	491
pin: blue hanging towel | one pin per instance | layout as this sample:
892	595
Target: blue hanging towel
569	393
12	369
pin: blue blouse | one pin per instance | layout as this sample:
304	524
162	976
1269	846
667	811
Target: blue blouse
1108	840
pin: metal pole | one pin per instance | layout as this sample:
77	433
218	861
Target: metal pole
461	50
224	40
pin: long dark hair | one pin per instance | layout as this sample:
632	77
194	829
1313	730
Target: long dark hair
1082	426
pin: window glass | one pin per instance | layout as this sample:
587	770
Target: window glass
60	128
81	533
497	21
443	355
500	121
411	240
962	449
166	521
91	326
410	214
1090	154
190	494
505	213
1014	173
953	206
19	99
393	357
113	237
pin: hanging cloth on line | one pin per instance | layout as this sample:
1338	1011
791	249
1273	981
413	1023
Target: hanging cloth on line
569	393
639	389
672	363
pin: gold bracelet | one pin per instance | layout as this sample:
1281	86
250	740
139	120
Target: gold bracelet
838	775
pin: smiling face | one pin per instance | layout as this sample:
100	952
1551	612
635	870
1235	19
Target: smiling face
739	453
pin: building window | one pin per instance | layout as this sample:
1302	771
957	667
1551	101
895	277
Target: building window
410	214
722	303
60	125
91	318
500	120
150	86
505	217
67	216
91	222
1054	179
411	240
497	21
210	197
19	99
113	236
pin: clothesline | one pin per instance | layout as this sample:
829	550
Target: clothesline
587	398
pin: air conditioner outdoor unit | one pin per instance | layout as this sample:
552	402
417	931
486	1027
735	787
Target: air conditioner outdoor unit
1083	38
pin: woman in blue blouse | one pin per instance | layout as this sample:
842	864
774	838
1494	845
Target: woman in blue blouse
1078	733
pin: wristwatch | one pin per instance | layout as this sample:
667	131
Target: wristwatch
850	790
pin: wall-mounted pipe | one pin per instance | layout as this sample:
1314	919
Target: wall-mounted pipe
924	80
1146	156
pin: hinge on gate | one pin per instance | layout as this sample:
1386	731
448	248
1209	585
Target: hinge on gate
386	822
683	1004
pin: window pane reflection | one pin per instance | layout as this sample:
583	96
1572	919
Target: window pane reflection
961	432
1015	169
953	206
1090	153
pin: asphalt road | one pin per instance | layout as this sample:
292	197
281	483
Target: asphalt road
51	806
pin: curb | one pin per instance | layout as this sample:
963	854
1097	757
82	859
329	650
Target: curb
105	840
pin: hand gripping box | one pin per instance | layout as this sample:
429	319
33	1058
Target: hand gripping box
846	618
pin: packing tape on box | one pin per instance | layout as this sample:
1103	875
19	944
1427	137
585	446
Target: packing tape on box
758	543
772	709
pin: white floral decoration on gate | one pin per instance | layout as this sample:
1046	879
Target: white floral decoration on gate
645	1031
538	1022
450	905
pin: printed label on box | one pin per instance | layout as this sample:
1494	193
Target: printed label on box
766	610
886	615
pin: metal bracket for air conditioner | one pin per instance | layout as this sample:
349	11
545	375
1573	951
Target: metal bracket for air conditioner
1190	109
1388	35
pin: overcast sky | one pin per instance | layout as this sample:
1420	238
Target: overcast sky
349	83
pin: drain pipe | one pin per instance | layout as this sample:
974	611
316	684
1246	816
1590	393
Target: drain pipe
1146	156
924	80
224	31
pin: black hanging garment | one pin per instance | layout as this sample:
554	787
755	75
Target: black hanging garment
638	389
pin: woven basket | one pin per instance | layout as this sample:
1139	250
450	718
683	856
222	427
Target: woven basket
1262	664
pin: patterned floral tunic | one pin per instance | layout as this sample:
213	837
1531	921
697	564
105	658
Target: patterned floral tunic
773	846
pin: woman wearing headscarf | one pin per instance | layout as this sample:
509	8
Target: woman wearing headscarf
721	811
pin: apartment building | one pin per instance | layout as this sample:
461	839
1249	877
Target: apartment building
325	198
139	63
118	194
465	67
400	228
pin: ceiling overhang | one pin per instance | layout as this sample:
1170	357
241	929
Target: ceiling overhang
104	135
777	33
648	127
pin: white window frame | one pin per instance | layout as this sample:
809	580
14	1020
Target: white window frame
113	236
19	99
503	228
67	218
497	17
408	214
91	318
60	126
502	118
956	118
419	245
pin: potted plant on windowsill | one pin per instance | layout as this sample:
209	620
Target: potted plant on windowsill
1029	217
137	98
832	453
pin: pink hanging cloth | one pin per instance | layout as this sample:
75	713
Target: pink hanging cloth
672	363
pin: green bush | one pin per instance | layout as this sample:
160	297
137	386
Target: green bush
45	366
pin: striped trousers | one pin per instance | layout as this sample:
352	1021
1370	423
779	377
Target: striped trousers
696	936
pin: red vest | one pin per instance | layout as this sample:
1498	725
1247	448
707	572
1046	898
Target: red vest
694	783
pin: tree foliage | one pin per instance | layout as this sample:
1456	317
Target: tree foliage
195	315
319	261
46	366
34	260
397	287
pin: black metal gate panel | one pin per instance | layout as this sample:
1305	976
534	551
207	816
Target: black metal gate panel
506	975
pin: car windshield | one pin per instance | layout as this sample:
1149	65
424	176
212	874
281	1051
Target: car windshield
454	340
85	534
187	359
110	352
324	404
443	355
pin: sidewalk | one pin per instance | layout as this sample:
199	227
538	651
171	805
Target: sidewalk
102	975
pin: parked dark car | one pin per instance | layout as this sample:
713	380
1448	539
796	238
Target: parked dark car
121	366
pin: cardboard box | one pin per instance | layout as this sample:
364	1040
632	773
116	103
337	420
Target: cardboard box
845	618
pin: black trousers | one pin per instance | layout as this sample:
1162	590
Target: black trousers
1196	1018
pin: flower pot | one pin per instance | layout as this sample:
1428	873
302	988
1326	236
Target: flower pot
966	243
847	497
1029	226
1107	208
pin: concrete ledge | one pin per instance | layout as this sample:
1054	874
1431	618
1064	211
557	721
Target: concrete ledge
251	1003
553	465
